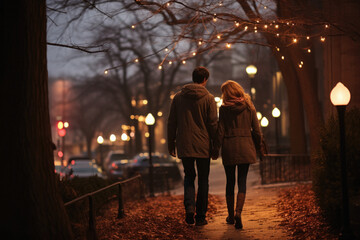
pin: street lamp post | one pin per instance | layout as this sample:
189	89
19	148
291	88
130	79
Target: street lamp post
124	138
100	141
251	70
276	114
112	140
150	121
340	98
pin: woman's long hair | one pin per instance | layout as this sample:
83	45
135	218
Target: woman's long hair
234	92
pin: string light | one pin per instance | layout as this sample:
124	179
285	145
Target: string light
295	40
237	24
166	49
282	57
136	60
301	62
276	26
170	62
200	42
266	26
218	36
228	45
133	26
277	34
246	28
309	50
322	39
194	53
326	26
183	61
214	18
159	67
278	49
300	65
307	37
106	72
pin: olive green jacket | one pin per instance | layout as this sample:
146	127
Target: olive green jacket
192	122
238	134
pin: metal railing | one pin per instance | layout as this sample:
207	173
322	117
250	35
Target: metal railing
277	168
91	233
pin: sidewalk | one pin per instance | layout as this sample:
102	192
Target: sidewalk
260	217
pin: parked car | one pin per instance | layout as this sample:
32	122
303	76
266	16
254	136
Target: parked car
80	158
115	156
117	169
83	167
164	166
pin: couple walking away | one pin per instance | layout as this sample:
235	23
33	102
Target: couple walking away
196	135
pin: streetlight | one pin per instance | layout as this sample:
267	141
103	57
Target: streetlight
100	141
340	98
150	121
264	122
112	140
251	70
125	138
276	114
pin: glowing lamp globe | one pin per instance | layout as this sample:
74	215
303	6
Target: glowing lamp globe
100	140
276	112
112	138
150	120
264	122
340	95
258	115
251	70
124	137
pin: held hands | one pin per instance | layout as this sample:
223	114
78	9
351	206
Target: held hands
214	154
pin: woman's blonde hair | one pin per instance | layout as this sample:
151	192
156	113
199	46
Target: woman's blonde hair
232	90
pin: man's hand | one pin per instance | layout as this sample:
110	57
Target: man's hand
214	155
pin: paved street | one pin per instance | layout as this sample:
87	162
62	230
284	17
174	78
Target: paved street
260	217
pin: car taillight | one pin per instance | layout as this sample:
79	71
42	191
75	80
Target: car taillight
113	165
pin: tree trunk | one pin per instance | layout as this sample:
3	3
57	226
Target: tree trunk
308	84
32	207
296	110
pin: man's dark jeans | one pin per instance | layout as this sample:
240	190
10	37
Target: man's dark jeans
203	169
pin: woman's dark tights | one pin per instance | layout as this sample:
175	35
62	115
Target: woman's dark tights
230	178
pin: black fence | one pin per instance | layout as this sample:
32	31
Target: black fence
82	210
278	168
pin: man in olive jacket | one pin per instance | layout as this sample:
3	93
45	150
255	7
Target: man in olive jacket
192	126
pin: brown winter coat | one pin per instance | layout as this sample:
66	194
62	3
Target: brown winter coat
192	122
238	133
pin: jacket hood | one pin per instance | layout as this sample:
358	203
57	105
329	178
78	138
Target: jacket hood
194	91
237	107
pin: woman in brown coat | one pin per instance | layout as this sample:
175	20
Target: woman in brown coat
239	137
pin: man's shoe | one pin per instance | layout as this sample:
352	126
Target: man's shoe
189	219
201	222
230	220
